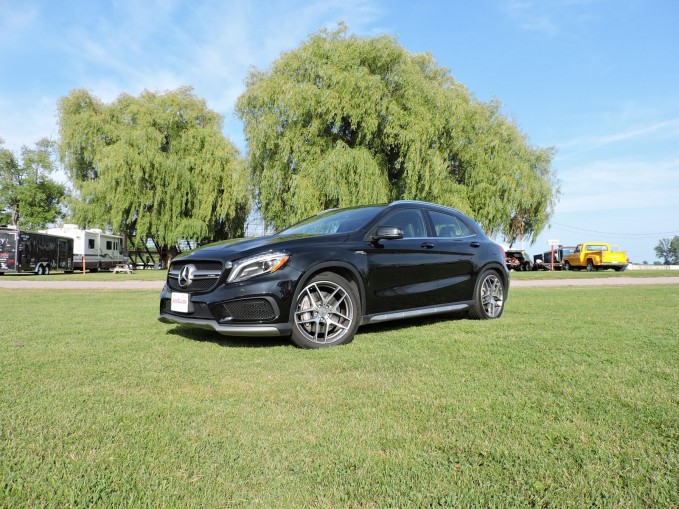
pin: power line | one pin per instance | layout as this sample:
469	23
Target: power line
637	235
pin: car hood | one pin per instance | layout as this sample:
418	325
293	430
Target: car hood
237	248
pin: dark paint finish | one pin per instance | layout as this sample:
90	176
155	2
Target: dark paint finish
391	275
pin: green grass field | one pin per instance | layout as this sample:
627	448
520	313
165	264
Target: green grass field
582	274
159	275
570	400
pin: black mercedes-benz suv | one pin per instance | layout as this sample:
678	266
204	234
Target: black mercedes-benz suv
322	278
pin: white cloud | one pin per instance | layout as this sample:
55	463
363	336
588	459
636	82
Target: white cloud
666	129
128	46
548	17
603	186
15	18
25	122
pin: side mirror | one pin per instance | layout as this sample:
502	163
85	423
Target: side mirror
387	233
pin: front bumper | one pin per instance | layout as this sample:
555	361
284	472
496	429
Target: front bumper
253	330
256	307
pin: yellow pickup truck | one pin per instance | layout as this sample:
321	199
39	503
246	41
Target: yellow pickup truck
595	256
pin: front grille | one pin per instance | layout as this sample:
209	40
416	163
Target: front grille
246	310
201	285
212	266
205	275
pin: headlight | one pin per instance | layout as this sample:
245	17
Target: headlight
256	265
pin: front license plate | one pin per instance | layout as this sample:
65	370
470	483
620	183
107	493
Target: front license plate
180	302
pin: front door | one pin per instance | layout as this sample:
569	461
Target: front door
398	274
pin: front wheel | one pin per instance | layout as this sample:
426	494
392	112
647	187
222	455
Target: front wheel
326	312
489	297
590	265
566	266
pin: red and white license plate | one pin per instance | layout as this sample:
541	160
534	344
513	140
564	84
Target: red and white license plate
180	302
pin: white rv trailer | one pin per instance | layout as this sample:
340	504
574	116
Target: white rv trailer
97	249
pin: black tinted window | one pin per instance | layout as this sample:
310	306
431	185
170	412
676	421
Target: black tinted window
449	226
409	221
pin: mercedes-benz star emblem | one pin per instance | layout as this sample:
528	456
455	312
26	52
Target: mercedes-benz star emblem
186	275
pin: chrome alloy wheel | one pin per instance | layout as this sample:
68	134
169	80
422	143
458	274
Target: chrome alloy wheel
492	296
324	312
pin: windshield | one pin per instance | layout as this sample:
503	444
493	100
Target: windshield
334	221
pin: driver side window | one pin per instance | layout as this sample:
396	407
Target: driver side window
409	221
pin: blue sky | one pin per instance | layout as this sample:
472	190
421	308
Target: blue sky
596	79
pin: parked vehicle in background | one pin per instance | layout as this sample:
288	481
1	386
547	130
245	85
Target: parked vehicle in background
544	260
517	260
96	249
596	256
24	251
319	280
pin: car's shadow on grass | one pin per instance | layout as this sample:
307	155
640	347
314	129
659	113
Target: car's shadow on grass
208	336
405	324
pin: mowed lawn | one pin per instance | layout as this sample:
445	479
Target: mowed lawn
570	400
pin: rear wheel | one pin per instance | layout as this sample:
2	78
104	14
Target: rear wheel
489	296
40	270
326	312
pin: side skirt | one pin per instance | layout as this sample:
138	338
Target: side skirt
413	313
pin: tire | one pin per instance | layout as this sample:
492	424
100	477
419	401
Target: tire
527	266
326	312
489	297
40	270
566	266
46	270
590	265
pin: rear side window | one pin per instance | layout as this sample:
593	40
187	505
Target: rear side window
448	226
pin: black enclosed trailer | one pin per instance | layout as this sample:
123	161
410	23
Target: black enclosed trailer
24	251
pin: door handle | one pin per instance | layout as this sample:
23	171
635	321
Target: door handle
427	245
475	244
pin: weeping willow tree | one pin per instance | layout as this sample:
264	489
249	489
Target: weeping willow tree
154	166
345	120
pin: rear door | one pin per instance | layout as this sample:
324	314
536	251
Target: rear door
456	247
